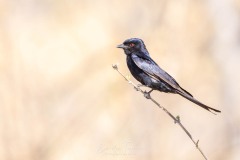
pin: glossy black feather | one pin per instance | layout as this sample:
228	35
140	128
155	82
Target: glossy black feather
148	73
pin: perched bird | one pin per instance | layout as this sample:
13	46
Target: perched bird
149	74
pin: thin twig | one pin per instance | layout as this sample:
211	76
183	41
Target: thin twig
176	119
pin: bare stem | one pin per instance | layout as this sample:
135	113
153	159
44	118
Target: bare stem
176	119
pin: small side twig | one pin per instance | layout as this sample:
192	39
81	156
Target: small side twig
175	119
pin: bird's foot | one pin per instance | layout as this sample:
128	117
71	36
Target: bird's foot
147	94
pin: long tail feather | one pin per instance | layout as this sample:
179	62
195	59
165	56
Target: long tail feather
190	98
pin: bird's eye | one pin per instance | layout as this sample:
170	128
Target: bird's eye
131	44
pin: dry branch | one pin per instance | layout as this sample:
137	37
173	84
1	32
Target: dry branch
176	119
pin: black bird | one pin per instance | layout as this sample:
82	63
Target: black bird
146	71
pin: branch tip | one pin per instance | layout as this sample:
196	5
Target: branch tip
115	66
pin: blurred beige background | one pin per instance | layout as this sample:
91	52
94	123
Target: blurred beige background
61	100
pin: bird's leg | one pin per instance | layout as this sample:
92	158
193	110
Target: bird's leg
147	94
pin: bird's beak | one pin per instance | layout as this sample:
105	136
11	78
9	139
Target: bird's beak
122	46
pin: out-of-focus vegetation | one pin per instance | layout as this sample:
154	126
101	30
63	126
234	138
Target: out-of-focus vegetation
60	99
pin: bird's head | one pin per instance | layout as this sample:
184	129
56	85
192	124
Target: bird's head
133	45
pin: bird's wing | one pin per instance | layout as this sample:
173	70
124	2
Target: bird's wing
152	69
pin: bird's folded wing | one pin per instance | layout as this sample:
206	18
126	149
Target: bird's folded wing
153	70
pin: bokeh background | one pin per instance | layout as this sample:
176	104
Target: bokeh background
60	99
